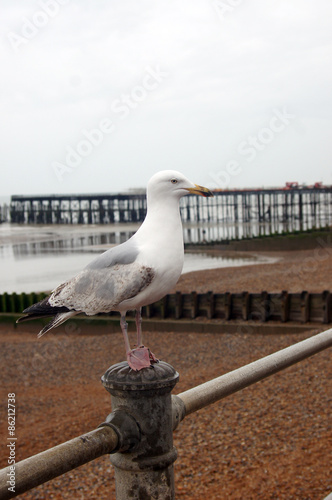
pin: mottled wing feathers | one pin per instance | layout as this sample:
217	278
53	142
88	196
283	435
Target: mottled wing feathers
101	290
91	291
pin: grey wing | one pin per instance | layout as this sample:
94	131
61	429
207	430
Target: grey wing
126	253
100	290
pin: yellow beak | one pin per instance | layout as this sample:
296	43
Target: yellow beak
202	191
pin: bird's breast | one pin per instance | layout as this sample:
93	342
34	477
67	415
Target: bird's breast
165	257
166	264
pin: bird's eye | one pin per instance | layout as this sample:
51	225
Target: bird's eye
174	181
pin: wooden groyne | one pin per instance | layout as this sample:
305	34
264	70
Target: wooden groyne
262	307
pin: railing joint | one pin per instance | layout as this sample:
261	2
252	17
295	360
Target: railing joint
126	428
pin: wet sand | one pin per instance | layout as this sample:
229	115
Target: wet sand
294	271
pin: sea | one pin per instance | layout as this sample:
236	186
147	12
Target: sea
37	258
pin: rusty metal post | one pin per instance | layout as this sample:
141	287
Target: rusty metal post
146	471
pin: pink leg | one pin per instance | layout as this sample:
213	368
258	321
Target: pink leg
138	318
124	329
140	345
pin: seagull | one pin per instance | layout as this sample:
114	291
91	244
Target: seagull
131	275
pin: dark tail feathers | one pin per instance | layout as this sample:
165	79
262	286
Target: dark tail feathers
41	310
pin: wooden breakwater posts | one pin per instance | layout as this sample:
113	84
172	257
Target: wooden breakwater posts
276	210
281	307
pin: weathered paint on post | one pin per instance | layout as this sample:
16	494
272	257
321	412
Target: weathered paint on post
146	471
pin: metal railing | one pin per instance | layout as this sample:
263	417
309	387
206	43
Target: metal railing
139	432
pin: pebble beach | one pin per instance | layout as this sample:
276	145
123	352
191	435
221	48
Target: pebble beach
269	441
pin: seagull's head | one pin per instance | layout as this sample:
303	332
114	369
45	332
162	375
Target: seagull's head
173	184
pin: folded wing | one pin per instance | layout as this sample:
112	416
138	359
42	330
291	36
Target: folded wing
92	291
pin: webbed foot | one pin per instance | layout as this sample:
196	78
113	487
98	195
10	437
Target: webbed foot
140	358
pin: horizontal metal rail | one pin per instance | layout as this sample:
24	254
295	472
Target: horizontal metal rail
54	462
221	387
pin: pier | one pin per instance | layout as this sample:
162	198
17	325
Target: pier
77	209
240	213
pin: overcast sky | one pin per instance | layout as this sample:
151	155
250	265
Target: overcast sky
98	96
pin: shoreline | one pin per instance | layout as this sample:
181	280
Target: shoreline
293	271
